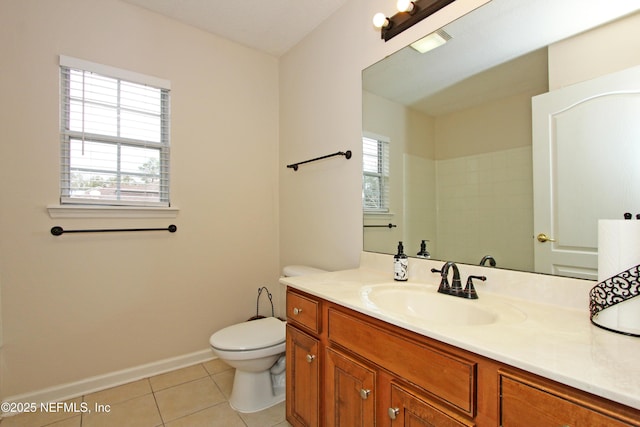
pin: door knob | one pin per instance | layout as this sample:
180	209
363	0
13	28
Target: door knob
364	393
297	310
542	238
310	358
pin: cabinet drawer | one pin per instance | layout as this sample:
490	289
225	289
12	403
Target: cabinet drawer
447	377
524	403
303	311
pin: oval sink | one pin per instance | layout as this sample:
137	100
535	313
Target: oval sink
423	303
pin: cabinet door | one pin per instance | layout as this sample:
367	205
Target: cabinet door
524	404
349	393
303	374
409	410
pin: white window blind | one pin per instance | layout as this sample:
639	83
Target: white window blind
114	136
375	179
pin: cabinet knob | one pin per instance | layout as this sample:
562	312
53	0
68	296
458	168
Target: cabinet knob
297	310
393	413
310	358
364	393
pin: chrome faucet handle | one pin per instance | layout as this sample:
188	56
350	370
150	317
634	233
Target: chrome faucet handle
469	291
444	282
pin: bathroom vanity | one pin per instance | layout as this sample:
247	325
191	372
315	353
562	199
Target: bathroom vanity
360	353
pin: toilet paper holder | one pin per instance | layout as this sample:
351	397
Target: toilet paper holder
258	316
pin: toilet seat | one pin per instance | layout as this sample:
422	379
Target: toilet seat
251	335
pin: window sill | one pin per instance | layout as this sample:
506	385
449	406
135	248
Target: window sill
87	211
379	215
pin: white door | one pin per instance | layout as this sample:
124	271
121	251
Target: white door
586	157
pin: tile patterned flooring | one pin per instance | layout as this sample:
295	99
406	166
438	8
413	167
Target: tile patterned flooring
195	396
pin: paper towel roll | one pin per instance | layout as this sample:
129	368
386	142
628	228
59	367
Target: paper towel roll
618	251
618	246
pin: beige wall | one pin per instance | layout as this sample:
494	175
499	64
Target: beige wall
78	306
497	125
604	50
320	113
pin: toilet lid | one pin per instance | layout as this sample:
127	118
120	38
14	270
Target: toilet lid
252	335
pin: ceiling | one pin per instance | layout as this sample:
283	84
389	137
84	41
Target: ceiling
497	32
272	26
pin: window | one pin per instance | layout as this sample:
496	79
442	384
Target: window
114	136
375	179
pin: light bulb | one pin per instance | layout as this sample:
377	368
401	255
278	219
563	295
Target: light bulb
380	20
405	5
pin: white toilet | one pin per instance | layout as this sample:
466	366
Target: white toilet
253	348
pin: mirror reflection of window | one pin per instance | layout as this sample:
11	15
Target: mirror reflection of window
375	178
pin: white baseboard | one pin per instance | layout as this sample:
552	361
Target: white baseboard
101	382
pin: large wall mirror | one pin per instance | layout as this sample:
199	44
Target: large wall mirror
451	134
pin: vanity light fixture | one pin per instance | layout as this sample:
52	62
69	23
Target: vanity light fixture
431	41
410	13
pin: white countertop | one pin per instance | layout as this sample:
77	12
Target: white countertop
554	341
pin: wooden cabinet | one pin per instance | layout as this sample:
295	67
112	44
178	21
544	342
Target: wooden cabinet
348	369
304	360
532	401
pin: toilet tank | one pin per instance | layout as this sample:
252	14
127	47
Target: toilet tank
300	270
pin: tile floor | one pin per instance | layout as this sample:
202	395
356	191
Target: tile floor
190	397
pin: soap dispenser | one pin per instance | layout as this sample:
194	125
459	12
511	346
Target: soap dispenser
400	265
423	250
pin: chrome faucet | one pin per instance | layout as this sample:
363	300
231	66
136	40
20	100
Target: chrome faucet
492	260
